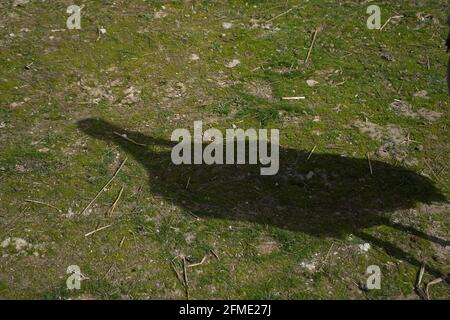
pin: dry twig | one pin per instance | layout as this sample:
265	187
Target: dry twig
293	98
281	14
97	230
419	281
326	257
385	24
370	163
429	284
113	206
197	264
310	154
177	273
312	45
121	242
104	187
124	136
215	254
44	204
186	281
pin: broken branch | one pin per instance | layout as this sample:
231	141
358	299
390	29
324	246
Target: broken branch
197	264
312	45
97	230
124	136
44	204
104	187
113	206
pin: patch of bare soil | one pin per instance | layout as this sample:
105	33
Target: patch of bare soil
405	109
429	115
394	139
221	80
95	92
261	89
132	95
175	90
267	246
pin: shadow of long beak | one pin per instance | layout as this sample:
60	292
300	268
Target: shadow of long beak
106	131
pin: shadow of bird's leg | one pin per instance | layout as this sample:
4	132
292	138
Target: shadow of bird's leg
448	74
420	234
399	254
448	49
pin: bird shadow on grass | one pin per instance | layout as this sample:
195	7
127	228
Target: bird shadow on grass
324	196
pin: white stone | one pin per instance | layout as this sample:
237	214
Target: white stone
5	242
364	247
227	25
232	63
20	243
194	57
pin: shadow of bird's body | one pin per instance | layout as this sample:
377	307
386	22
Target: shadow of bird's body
326	195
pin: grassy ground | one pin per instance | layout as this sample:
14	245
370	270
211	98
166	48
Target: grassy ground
294	236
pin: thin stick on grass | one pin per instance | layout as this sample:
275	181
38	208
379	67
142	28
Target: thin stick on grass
121	242
431	169
429	284
310	154
420	276
186	281
105	186
385	24
97	230
124	136
172	264
194	215
215	254
99	34
110	268
19	216
197	264
312	45
113	206
326	257
370	163
44	204
419	290
281	14
294	98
